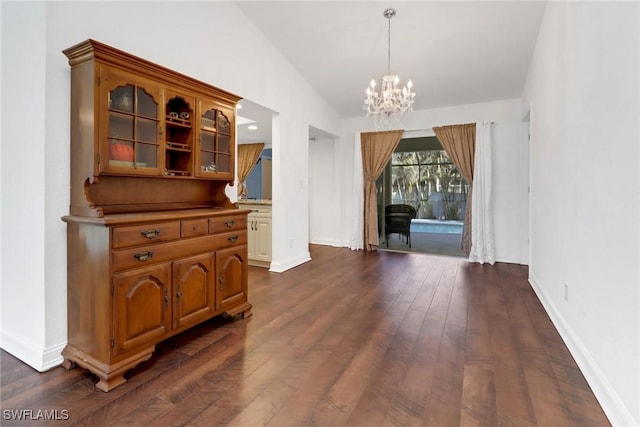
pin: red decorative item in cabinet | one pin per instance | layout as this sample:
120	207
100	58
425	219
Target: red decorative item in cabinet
122	152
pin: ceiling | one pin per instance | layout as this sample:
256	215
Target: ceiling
455	52
249	113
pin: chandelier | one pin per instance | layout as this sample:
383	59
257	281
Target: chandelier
388	106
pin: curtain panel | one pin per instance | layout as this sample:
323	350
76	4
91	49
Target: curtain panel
482	237
459	141
377	148
248	155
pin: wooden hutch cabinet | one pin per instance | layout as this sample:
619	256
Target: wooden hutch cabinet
154	245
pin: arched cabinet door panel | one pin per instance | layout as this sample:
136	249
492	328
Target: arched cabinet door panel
194	291
232	274
142	312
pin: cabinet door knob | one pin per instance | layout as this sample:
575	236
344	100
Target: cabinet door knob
150	234
220	281
143	256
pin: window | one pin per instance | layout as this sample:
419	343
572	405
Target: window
428	181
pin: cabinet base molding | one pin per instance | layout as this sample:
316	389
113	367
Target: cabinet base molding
110	375
258	263
242	311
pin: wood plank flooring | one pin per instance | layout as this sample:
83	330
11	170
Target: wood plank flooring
347	339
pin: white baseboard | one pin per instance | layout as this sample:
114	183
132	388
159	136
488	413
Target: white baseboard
612	404
326	242
40	359
52	356
509	258
279	267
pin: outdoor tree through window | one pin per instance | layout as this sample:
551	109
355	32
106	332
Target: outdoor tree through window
428	181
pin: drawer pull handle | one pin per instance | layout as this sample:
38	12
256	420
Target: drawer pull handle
150	234
143	256
230	223
232	239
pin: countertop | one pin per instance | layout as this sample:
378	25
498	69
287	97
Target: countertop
254	202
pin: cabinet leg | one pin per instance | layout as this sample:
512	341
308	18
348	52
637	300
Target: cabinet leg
110	375
107	384
68	364
242	311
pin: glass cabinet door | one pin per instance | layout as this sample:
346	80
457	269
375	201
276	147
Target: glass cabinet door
133	124
223	153
216	148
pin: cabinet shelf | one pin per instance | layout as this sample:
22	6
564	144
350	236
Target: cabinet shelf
176	146
117	112
129	114
170	172
178	122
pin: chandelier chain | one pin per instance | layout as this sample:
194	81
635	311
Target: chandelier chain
389	46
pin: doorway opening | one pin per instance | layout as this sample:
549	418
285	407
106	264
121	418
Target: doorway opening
421	175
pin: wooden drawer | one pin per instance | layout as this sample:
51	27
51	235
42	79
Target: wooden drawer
223	224
194	227
151	254
142	234
233	238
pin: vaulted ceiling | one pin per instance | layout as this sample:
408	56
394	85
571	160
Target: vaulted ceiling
455	52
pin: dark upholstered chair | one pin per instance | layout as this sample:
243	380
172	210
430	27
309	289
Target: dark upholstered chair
397	219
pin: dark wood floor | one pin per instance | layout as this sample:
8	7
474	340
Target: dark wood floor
348	339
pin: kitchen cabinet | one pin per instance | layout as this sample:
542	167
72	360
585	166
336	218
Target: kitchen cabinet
259	229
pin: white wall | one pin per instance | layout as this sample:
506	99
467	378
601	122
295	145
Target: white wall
323	211
211	41
510	194
583	90
511	199
22	229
